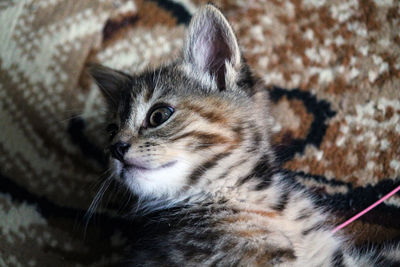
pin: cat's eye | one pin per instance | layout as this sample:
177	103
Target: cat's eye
159	115
112	129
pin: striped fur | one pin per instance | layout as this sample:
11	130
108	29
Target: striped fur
210	174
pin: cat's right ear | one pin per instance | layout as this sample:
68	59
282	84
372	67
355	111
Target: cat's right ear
111	83
211	47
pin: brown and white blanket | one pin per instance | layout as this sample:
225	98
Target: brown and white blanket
333	68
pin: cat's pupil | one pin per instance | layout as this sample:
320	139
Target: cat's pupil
158	117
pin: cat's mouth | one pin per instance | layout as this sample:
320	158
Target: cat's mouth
139	167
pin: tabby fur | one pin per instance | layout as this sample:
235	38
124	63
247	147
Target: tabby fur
209	171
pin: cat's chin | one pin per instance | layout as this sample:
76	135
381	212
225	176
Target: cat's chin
164	180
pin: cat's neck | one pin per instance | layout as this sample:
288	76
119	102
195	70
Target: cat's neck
240	175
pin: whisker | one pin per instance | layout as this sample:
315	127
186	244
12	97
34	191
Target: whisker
95	202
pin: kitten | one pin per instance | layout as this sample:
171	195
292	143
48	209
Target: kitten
191	140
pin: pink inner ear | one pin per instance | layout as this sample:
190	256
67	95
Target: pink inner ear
211	50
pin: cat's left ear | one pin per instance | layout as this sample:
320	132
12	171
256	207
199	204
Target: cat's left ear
211	47
111	83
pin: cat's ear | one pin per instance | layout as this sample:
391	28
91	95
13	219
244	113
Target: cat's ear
111	83
211	46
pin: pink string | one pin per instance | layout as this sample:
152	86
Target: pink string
352	219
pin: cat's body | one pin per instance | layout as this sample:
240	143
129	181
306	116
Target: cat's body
192	141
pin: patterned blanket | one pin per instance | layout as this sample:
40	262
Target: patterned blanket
333	69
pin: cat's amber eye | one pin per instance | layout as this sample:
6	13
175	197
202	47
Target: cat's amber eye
159	115
112	129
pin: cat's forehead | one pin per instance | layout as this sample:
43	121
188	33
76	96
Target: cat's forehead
166	84
158	83
177	87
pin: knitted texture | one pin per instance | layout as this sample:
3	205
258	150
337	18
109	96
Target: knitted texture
333	69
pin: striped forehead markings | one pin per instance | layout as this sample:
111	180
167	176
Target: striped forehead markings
148	94
211	116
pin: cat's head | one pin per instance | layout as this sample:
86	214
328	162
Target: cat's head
178	127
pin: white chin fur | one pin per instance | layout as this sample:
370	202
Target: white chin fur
164	182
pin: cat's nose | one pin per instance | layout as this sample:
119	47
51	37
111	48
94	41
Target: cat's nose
119	149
